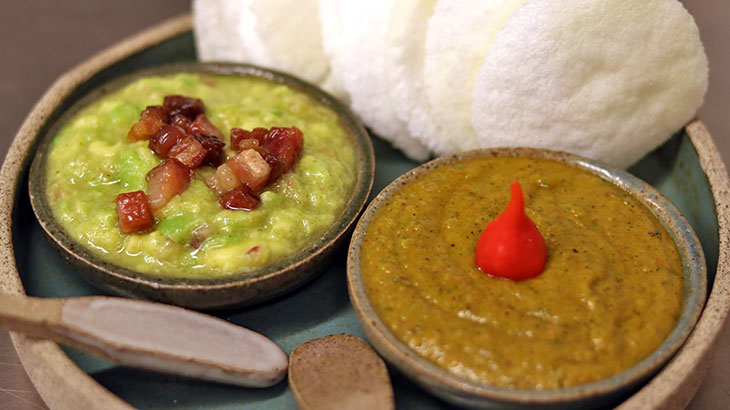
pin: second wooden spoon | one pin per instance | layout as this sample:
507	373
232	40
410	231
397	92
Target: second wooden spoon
339	372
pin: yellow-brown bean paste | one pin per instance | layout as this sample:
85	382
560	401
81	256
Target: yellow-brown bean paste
610	293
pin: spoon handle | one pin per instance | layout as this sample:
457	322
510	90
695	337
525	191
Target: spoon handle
32	316
150	336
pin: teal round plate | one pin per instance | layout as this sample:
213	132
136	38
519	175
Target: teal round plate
687	169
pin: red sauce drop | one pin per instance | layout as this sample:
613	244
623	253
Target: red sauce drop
511	246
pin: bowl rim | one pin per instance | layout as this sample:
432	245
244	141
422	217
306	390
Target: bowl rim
440	380
125	279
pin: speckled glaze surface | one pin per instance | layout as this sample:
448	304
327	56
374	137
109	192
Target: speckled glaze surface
687	169
237	289
465	392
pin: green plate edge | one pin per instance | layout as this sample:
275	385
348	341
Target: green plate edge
320	308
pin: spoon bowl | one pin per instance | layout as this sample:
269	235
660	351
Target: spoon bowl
339	372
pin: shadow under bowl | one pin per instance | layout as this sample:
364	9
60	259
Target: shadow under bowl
237	289
602	393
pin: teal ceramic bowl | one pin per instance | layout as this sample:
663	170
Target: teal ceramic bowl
462	391
237	289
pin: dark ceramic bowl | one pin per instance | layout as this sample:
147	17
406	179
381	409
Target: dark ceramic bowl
236	289
603	393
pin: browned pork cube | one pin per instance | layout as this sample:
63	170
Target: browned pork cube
133	212
166	138
214	148
181	121
152	119
249	143
185	106
168	179
274	162
223	180
277	167
189	151
241	198
239	134
286	144
202	125
251	169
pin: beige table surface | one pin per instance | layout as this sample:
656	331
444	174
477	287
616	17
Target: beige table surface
41	39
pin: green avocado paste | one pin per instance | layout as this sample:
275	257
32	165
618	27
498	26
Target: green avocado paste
90	162
610	293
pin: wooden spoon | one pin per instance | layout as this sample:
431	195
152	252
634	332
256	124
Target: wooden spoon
339	372
150	336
